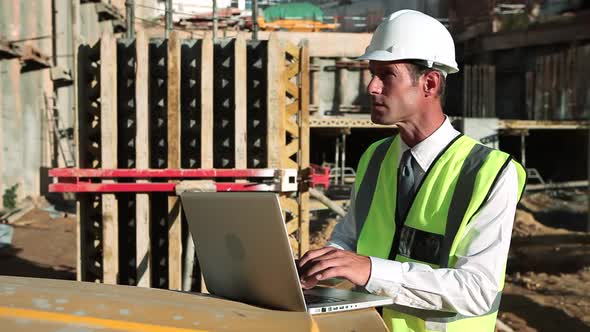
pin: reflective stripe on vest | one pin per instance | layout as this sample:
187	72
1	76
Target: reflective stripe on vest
452	192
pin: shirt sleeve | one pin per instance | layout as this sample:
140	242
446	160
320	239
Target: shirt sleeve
471	287
344	234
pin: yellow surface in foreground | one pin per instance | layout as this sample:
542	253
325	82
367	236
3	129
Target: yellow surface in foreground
28	304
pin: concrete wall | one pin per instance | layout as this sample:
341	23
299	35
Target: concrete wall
24	138
22	103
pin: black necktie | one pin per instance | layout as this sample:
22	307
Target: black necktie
409	174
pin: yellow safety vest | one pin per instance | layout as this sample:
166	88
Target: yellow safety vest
452	192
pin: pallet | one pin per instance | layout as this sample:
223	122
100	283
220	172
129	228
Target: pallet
181	104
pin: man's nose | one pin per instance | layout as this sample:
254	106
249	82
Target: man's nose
375	86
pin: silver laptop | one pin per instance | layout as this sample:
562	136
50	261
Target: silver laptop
244	253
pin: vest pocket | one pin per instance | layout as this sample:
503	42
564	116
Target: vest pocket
419	245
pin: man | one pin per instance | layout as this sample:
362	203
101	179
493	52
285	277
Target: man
431	212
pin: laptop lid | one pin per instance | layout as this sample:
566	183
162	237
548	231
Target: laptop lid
243	248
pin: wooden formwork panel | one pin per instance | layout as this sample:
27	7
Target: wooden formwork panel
479	94
89	226
558	86
143	257
289	129
181	103
126	127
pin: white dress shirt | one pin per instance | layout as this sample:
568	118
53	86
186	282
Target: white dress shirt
472	285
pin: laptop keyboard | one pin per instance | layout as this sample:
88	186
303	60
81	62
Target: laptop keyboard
313	299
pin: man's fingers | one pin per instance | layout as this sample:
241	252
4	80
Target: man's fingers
309	283
327	255
312	254
322	265
332	272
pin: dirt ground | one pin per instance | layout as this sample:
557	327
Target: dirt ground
548	274
547	284
42	247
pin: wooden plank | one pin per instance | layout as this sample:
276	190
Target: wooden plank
289	163
530	94
489	81
108	134
292	128
81	142
541	124
289	205
541	36
580	81
206	111
492	91
342	84
356	121
292	148
569	83
291	88
241	107
538	89
304	141
554	87
561	87
328	45
292	226
207	102
294	244
293	51
292	109
174	223
466	91
275	102
142	157
546	87
292	69
481	91
2	189
485	76
315	83
581	84
474	91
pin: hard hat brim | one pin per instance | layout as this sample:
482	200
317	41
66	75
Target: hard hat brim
380	55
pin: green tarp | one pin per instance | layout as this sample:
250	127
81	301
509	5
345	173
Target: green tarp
293	11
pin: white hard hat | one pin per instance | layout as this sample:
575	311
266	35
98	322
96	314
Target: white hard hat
408	34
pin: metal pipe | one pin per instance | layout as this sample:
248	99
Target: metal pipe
54	33
75	31
337	161
343	158
255	20
189	263
168	17
327	202
523	149
130	18
215	21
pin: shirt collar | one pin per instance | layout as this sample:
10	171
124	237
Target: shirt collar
426	151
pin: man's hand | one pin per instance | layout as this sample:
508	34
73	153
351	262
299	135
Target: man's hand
329	262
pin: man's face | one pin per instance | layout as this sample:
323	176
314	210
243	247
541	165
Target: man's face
394	97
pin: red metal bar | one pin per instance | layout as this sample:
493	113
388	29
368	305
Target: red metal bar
148	187
161	173
88	180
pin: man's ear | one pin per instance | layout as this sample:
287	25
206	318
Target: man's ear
431	83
